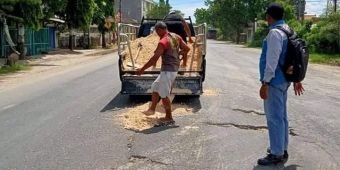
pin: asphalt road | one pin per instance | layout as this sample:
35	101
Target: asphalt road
67	121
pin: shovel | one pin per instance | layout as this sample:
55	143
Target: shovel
193	55
139	48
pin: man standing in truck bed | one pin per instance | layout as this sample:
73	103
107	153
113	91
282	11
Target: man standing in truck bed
176	24
170	47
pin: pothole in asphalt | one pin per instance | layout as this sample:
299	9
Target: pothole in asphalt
135	158
249	111
292	132
245	127
248	127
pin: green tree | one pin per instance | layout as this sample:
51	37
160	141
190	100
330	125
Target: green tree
79	14
19	1
29	11
53	8
202	16
230	25
231	16
103	11
27	14
160	10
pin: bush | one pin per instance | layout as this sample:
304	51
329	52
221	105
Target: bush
260	34
324	37
11	69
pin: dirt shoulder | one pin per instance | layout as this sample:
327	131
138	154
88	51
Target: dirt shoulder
55	61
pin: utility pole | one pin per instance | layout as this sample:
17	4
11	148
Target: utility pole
120	11
300	9
335	4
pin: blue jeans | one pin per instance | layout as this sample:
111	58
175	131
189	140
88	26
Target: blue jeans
275	108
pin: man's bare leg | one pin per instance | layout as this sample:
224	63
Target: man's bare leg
154	101
167	107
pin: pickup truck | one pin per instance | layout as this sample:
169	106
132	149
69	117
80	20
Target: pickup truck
189	80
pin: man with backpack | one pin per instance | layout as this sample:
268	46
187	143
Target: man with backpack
275	83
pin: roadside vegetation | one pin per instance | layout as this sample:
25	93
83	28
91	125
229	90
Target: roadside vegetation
330	59
6	69
322	35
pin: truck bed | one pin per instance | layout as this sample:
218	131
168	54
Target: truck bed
131	56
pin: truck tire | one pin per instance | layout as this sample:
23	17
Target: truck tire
120	69
204	63
139	98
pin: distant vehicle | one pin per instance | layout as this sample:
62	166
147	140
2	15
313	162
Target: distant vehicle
212	34
188	81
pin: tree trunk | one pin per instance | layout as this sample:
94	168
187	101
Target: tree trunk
103	40
238	36
21	41
88	39
70	40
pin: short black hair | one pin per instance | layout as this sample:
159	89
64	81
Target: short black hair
275	10
160	25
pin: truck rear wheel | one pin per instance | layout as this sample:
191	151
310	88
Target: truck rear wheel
120	69
139	98
204	63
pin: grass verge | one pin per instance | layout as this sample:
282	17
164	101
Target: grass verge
330	59
12	69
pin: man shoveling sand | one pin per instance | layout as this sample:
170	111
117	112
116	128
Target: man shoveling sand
170	47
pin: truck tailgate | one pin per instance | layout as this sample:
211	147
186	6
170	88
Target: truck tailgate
141	85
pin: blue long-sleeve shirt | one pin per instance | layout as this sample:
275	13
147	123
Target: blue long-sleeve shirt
274	48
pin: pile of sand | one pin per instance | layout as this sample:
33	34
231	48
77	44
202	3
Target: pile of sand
134	119
149	45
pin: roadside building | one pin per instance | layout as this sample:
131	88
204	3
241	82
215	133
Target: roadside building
132	11
35	42
312	18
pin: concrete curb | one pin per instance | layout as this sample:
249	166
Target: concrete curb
104	52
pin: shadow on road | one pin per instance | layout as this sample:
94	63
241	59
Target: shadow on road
191	102
156	129
47	65
123	101
278	167
64	52
118	102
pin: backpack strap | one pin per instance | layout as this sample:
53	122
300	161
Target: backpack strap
289	32
290	35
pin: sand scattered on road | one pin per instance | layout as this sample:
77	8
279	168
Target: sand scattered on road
211	92
134	119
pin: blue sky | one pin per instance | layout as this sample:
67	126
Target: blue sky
188	6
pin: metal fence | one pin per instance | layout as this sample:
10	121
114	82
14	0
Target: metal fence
36	42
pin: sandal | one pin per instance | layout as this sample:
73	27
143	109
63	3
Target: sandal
165	123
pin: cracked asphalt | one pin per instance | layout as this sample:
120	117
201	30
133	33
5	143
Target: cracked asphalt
67	121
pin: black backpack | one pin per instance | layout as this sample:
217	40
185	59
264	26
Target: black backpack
297	57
